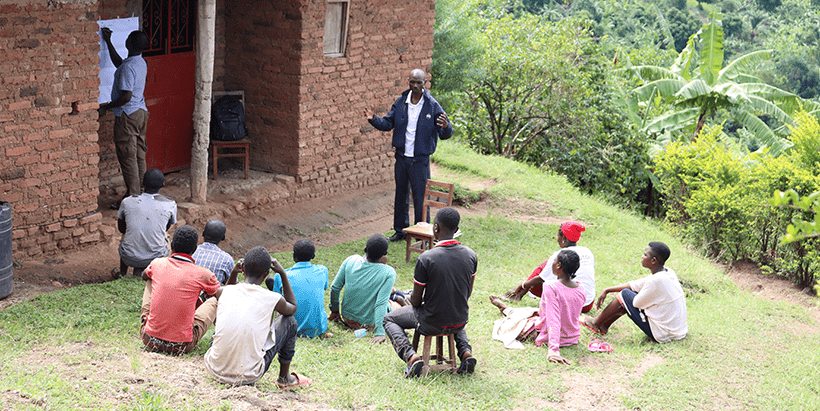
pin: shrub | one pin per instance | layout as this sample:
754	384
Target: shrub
717	197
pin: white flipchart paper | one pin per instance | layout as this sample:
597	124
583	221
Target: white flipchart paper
120	29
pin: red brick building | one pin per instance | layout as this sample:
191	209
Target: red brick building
305	93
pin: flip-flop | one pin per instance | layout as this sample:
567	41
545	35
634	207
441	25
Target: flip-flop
600	346
414	370
467	366
582	321
301	382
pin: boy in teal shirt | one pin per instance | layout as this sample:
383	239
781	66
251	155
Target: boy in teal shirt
368	282
309	282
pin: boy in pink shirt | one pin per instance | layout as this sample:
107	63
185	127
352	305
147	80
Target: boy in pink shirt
556	322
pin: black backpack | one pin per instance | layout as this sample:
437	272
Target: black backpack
228	119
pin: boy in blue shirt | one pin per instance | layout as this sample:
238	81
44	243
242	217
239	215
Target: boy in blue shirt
309	282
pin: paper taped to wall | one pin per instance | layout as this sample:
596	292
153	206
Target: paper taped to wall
120	29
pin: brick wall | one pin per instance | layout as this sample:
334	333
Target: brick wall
304	110
262	45
48	99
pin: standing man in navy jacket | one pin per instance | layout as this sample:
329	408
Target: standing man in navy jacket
417	121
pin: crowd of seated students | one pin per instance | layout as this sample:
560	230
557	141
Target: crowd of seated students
261	317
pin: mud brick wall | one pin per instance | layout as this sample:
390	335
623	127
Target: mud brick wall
48	148
386	39
305	110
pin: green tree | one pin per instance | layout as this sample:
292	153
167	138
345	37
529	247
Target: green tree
681	23
528	85
800	74
697	85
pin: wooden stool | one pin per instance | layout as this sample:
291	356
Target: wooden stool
242	144
442	362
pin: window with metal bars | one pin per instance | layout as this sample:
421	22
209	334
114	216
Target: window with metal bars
170	26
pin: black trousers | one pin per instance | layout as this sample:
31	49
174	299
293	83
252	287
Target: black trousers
411	172
396	321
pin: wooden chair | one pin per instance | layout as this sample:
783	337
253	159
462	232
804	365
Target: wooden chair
442	363
420	236
226	149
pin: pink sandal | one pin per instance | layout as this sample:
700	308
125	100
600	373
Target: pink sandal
582	321
301	382
600	346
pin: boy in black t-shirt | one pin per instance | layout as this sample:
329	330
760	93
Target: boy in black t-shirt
442	284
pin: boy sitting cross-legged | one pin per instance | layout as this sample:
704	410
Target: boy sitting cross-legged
247	336
170	320
367	281
309	282
443	281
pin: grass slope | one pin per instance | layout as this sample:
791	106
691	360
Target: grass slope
742	352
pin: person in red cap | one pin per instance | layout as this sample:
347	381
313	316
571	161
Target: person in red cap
568	235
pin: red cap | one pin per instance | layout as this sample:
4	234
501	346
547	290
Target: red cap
572	230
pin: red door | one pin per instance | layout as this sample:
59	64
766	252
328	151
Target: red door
169	88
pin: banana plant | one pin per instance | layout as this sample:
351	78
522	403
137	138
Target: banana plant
697	85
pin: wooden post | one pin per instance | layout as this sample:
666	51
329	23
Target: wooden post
206	17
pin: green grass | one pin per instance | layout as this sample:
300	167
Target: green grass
742	352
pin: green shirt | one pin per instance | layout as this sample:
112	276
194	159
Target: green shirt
367	291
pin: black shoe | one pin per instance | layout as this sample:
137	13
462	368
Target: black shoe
467	366
397	237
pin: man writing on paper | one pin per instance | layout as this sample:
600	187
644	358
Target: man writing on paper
128	105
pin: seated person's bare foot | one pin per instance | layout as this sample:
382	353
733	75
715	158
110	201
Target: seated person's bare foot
515	294
590	324
496	301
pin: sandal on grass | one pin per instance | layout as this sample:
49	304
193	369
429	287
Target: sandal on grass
582	321
414	370
301	382
600	346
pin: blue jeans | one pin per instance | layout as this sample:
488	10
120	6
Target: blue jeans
410	172
284	330
637	315
396	321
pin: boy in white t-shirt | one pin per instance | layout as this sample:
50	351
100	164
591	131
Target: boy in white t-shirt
656	303
247	337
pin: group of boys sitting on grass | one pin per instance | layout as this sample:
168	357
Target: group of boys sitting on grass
182	300
248	334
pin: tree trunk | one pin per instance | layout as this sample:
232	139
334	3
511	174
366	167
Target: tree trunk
701	122
206	16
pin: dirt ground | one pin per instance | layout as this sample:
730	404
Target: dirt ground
328	221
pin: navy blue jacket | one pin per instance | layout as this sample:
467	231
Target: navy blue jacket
427	132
